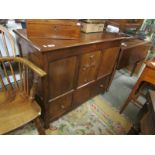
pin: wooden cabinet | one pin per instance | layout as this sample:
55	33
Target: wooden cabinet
76	69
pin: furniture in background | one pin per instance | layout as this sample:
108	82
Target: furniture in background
135	49
126	24
145	122
17	98
147	76
77	70
133	52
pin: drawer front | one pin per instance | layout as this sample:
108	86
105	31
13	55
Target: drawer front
88	67
100	86
81	95
59	106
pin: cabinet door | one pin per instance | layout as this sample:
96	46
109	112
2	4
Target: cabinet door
61	76
88	67
108	60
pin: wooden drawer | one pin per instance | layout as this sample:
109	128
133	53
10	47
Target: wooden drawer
100	86
58	107
82	95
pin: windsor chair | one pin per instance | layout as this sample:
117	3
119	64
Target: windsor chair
17	97
7	43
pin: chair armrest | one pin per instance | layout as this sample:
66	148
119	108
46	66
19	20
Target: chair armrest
27	63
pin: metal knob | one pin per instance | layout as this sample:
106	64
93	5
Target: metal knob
85	80
85	67
62	106
101	86
92	56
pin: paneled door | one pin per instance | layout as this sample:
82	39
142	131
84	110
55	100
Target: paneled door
61	76
108	60
88	67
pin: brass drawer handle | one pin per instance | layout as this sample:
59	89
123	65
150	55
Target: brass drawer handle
93	65
92	56
101	86
62	107
55	28
85	80
85	67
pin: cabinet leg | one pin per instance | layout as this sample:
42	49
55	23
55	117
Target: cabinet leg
39	126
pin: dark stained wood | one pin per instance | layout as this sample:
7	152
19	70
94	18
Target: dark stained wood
61	76
108	60
82	94
85	39
100	86
59	29
59	106
88	67
72	68
134	52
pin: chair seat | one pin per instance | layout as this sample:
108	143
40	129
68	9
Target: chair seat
17	112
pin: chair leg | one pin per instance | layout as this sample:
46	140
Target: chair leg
39	126
131	96
125	104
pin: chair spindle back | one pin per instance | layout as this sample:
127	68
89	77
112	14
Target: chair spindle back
7	43
26	80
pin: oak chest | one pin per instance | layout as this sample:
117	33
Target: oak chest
77	70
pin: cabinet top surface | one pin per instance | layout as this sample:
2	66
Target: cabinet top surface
49	44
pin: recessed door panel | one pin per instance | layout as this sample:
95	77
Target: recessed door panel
88	67
61	76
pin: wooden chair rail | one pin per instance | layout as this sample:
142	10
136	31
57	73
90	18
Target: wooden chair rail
27	63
